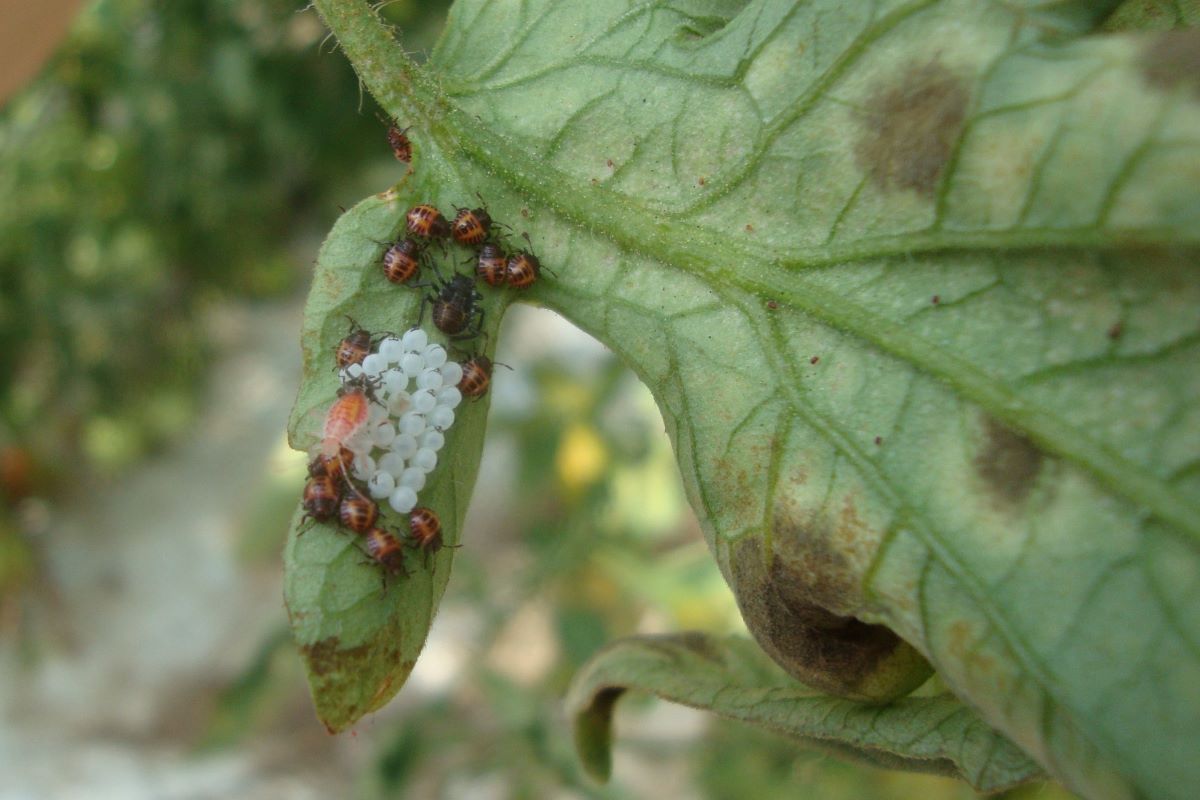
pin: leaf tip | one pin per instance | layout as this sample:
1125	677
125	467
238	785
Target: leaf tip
593	732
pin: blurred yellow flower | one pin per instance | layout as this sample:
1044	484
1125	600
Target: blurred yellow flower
582	457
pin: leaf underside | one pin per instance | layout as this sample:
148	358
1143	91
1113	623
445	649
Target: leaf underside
732	678
913	284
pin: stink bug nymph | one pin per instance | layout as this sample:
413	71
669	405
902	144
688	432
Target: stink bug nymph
491	264
335	466
523	268
358	512
471	225
386	550
401	260
425	529
427	222
476	376
456	310
345	417
321	498
354	348
399	142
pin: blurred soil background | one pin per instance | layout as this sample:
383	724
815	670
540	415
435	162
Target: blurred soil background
165	180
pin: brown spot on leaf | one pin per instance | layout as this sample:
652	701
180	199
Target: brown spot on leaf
1172	58
736	485
1008	463
909	127
780	603
326	656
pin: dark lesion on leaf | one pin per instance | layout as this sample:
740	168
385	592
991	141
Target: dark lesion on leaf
1172	58
332	665
1008	462
781	601
326	656
909	125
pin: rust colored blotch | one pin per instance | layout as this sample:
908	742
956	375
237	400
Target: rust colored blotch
1008	463
749	228
814	359
1115	330
935	299
701	180
878	440
909	128
772	304
1172	58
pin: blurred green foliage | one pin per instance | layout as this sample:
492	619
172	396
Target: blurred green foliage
170	157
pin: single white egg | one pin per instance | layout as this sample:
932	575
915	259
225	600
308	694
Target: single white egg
430	380
391	349
384	434
413	478
381	484
424	402
403	499
412	364
374	364
425	459
404	445
391	462
414	340
449	396
412	424
451	373
441	418
435	356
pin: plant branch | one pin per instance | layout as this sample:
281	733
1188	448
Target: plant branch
399	85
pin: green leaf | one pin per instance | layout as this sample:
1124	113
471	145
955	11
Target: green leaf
730	677
913	284
360	637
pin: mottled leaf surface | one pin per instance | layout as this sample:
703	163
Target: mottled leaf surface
731	677
914	285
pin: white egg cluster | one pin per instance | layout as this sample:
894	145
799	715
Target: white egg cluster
415	391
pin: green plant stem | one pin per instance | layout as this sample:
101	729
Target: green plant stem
396	82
